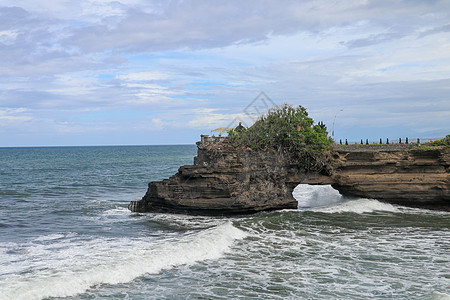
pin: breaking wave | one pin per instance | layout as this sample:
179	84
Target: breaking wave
359	206
324	198
62	266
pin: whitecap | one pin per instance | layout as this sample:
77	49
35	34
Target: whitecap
359	206
50	237
118	211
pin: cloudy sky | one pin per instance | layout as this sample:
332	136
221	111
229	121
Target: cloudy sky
124	72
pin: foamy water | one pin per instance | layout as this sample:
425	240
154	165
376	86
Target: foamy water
324	198
61	266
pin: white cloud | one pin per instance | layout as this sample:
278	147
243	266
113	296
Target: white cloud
8	37
197	24
144	76
209	119
157	124
144	98
11	118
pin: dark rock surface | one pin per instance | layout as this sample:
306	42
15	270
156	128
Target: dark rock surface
226	180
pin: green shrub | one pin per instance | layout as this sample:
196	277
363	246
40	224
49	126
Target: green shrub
444	142
289	128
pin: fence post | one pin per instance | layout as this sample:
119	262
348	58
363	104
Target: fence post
418	141
387	141
407	140
381	141
367	141
346	142
400	140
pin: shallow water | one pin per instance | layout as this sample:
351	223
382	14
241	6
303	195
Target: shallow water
65	232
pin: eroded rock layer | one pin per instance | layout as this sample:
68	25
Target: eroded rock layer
411	177
226	180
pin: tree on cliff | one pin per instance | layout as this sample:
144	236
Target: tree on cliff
288	128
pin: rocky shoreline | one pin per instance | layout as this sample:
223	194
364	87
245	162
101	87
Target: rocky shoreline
228	180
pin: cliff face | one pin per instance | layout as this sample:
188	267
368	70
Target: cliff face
410	177
226	180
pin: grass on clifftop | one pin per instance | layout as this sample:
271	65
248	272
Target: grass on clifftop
290	128
444	142
432	144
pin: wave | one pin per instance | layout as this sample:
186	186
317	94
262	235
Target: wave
309	196
71	266
118	211
324	198
50	237
438	296
358	206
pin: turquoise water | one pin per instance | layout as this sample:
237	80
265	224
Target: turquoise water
65	233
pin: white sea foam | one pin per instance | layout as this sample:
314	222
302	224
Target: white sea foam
113	215
50	237
358	206
309	196
439	296
71	266
187	221
323	198
118	211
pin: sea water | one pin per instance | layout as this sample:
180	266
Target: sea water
66	233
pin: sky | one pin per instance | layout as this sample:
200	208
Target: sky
139	72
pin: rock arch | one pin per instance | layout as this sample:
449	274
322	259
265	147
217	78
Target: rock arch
226	180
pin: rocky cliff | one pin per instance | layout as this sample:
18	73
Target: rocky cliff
411	176
229	180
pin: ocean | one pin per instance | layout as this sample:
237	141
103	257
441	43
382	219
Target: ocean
66	233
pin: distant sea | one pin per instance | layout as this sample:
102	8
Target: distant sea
66	233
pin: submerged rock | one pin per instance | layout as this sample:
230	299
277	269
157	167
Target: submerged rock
229	180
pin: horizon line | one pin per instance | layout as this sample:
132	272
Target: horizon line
110	145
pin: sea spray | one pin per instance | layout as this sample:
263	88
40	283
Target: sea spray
309	196
324	198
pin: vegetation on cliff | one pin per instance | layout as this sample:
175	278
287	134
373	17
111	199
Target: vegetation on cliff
289	128
444	142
